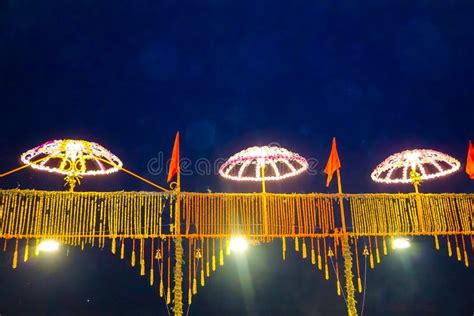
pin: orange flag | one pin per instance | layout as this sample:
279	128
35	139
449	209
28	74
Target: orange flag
470	161
333	163
174	163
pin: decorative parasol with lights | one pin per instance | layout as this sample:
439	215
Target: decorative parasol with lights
72	158
266	163
414	166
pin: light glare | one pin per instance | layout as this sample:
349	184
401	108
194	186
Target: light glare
401	243
238	245
48	245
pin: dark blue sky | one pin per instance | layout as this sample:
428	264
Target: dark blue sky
381	76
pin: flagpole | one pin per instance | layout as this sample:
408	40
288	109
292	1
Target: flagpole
178	271
345	247
341	204
177	226
346	253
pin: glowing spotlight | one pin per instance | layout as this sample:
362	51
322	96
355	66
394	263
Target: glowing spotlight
238	245
48	245
401	243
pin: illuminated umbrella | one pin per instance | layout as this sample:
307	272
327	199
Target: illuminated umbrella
72	158
413	166
267	163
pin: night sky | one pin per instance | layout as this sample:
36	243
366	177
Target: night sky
381	76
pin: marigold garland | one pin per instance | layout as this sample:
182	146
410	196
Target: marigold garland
209	220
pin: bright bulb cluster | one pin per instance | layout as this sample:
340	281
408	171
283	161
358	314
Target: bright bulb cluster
71	157
429	164
278	163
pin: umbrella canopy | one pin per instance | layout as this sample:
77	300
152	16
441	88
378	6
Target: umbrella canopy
422	164
279	163
72	158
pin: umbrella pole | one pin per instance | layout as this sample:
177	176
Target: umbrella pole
416	180
264	200
71	182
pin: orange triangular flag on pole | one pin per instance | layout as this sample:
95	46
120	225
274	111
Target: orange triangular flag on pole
174	163
333	163
470	161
